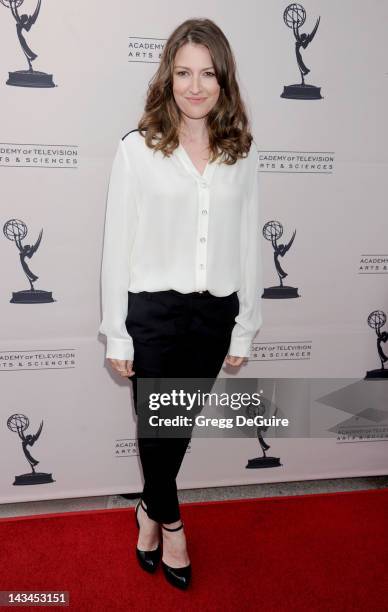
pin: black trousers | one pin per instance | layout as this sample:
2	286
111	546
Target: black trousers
175	335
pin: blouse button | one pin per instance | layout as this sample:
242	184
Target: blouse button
204	211
203	239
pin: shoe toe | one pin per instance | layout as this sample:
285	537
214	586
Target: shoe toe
148	559
178	576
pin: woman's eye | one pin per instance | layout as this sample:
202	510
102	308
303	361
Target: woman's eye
182	72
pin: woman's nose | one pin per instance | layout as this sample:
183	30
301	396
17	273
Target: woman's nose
195	86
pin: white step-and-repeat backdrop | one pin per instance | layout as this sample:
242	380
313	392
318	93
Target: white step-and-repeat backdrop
73	80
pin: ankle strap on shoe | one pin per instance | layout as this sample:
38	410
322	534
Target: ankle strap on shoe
143	506
172	528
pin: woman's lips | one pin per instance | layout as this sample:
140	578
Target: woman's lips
195	100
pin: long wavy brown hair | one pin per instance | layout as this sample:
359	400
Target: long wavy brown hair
227	122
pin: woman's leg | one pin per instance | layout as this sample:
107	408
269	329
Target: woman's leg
161	458
156	322
206	342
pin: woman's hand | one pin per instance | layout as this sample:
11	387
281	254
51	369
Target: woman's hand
234	361
122	366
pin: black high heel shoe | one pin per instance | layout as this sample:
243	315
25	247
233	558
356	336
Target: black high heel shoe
177	576
148	559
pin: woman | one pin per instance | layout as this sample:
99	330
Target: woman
181	273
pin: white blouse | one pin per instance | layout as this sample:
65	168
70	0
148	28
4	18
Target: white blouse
169	227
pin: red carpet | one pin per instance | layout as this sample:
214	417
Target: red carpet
306	552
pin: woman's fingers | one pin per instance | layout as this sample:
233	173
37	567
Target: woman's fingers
129	368
122	366
234	360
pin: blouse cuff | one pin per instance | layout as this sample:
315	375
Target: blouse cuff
240	347
117	348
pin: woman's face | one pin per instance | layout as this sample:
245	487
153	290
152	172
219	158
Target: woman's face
195	85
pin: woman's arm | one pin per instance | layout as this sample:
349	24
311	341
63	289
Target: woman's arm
249	319
119	234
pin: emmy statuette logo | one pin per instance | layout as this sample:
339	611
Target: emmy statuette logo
376	320
16	230
30	77
294	17
262	410
18	423
272	231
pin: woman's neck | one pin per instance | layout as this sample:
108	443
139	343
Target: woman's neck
193	131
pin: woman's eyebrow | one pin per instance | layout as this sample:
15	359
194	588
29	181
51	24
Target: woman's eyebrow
187	68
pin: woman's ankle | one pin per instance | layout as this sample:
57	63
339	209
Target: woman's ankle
147	520
173	525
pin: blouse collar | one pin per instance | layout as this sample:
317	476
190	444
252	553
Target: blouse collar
203	179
